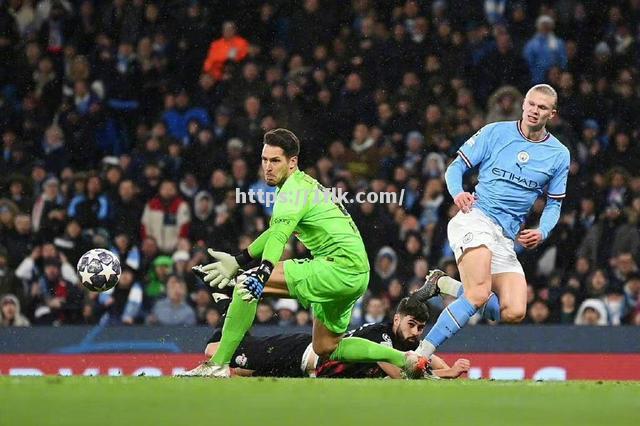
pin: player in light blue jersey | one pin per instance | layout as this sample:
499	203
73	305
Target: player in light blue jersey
518	162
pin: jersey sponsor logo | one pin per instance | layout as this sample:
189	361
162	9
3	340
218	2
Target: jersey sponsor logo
523	157
520	180
241	360
281	220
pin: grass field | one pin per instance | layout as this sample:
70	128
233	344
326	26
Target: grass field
168	401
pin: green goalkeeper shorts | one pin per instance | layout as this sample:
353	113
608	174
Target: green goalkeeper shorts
329	289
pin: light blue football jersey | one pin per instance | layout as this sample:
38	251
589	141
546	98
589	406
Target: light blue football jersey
514	171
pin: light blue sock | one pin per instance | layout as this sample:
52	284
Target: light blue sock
452	319
491	309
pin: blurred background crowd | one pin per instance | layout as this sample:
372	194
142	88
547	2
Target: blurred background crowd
130	124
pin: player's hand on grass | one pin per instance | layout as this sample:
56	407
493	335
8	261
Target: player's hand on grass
251	284
464	201
219	274
529	238
460	366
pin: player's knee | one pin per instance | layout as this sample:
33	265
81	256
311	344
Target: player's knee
324	348
478	294
513	314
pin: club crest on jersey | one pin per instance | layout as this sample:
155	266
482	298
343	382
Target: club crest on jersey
467	238
523	157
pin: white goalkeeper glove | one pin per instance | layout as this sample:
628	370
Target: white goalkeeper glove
221	273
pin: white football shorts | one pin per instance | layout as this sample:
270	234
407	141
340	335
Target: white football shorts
475	229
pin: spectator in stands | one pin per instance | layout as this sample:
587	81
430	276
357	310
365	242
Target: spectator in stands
166	217
544	50
213	317
8	281
632	292
505	104
18	193
374	311
285	311
173	310
127	251
72	244
182	266
202	303
8	211
384	271
49	213
204	155
18	241
92	209
123	303
32	267
159	274
620	237
179	113
265	314
127	210
592	312
538	312
615	303
303	318
10	314
203	223
568	307
54	300
503	66
230	47
394	294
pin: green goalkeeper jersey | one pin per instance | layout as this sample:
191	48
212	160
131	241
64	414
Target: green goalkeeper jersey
304	208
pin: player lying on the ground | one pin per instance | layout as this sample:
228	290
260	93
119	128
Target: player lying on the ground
518	162
291	355
330	283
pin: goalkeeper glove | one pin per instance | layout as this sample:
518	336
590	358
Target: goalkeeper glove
252	284
221	273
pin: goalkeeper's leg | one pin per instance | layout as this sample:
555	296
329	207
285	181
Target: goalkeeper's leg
355	349
241	314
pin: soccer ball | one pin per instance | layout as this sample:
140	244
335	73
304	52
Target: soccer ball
99	270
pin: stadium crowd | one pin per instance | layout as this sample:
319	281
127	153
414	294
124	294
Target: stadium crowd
129	125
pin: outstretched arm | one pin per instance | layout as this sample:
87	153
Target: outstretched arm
286	216
453	178
531	238
470	154
391	370
256	248
442	370
550	216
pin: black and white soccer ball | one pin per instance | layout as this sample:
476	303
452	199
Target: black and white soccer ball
99	270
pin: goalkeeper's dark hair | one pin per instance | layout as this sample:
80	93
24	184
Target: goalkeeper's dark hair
412	306
284	139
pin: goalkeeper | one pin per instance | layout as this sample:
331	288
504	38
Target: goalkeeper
330	283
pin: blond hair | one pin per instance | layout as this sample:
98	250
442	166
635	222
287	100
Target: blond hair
547	90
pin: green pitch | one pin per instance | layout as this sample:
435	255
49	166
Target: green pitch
133	401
